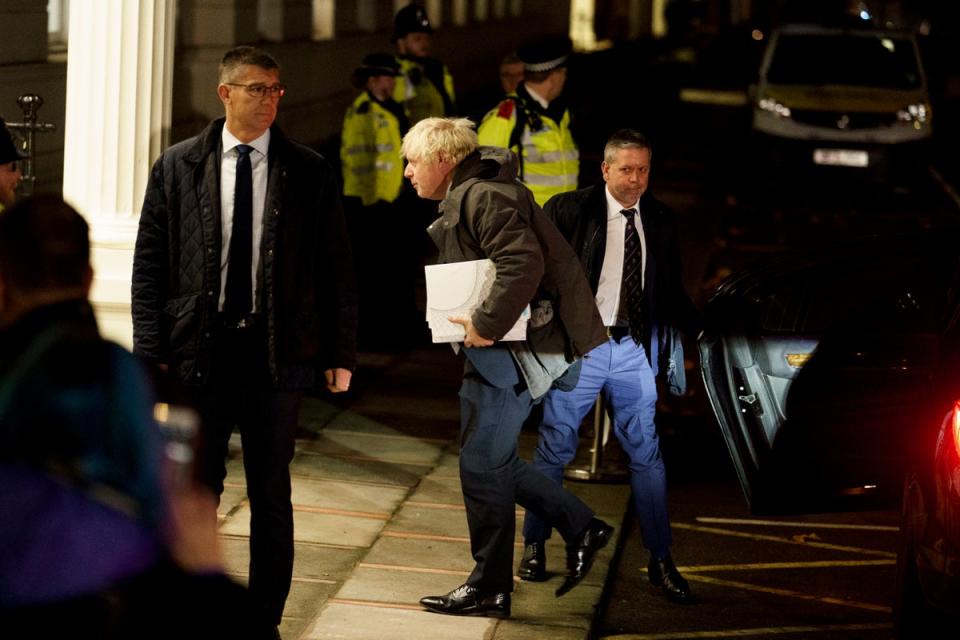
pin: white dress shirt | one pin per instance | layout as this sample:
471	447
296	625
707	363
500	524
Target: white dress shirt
611	274
228	183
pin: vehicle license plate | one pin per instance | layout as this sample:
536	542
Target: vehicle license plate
840	157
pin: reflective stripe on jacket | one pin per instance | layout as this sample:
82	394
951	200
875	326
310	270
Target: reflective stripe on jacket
549	156
370	152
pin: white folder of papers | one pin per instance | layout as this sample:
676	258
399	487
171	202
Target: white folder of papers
456	290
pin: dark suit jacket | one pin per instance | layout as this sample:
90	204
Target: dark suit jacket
581	217
306	279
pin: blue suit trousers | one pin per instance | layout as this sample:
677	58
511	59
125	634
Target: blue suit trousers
621	372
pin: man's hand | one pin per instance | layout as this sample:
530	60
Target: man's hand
191	530
338	380
472	339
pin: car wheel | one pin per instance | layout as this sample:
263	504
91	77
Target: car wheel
911	615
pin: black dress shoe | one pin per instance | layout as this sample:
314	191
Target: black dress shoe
580	553
663	573
533	565
467	601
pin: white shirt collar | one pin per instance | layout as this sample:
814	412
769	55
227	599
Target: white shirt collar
614	207
261	144
536	96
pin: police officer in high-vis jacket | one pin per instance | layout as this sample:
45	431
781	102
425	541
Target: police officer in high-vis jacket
425	86
534	121
374	191
372	129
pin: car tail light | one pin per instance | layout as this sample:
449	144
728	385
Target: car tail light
956	427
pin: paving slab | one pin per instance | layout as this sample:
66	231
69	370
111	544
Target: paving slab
398	586
356	470
376	488
362	622
328	528
385	447
436	489
439	522
417	552
348	496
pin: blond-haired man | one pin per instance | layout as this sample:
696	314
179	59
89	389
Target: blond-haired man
486	213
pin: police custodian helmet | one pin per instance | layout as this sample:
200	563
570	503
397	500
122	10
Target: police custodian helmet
411	19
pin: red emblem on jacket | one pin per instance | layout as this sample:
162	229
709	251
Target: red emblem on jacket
505	110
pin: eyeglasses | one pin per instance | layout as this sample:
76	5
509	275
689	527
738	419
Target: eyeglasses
260	90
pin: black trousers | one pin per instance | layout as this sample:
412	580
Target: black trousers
239	395
494	479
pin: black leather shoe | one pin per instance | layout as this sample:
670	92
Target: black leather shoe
580	553
533	565
467	601
663	573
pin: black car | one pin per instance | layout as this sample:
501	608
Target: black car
818	364
835	377
927	601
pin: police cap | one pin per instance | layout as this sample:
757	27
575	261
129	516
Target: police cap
378	64
545	54
9	152
411	19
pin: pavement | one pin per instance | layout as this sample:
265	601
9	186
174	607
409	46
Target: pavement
379	519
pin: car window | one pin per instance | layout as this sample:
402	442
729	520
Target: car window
873	295
880	60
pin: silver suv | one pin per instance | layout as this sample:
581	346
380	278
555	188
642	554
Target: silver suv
841	97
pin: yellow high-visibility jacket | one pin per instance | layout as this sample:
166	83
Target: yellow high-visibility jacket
370	152
549	159
418	94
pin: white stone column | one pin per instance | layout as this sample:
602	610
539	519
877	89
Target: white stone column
119	89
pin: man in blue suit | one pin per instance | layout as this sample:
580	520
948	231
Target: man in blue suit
627	244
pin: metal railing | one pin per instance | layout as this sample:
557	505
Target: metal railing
26	130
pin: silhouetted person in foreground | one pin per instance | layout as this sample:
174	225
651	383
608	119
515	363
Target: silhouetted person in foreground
94	540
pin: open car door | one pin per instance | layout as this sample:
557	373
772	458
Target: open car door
816	365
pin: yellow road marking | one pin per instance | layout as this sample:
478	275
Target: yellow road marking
802	525
788	592
765	566
807	543
757	631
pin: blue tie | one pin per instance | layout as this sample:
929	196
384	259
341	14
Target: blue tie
239	292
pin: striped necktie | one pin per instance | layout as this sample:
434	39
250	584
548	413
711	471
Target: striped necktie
631	283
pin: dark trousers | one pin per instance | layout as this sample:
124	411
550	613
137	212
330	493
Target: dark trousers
494	479
386	240
239	396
